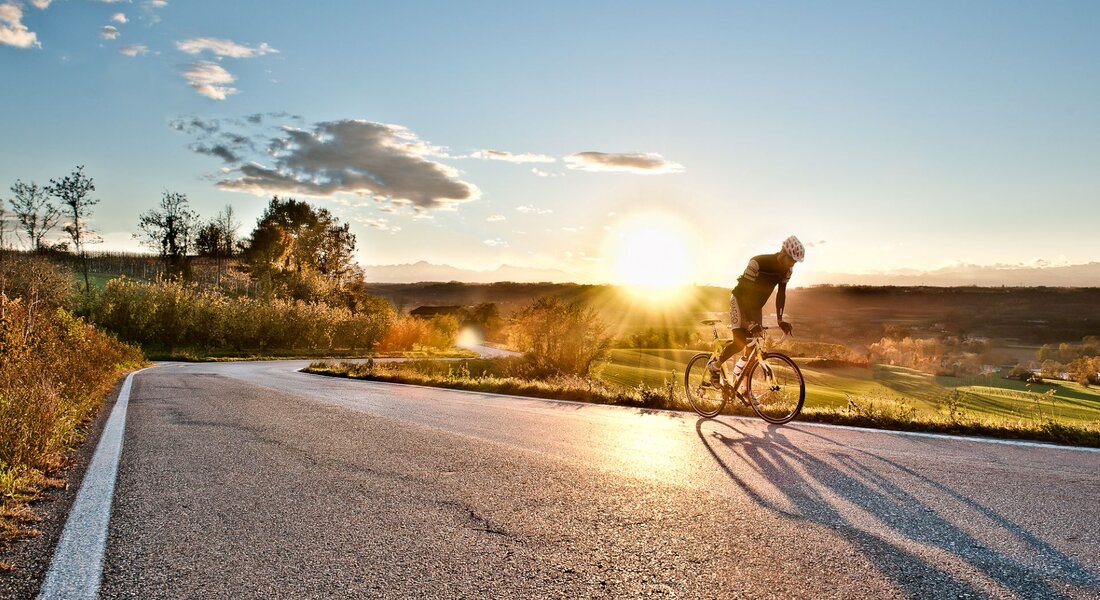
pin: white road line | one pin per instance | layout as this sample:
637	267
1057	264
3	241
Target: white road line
77	566
793	425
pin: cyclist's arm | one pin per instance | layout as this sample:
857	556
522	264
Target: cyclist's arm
780	301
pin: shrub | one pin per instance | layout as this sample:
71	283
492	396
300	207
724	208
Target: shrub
559	337
170	314
55	371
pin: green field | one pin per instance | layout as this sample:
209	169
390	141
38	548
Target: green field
831	387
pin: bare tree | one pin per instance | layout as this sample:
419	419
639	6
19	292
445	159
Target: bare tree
171	231
34	212
74	192
3	232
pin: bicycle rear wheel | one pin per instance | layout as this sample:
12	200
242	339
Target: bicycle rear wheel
777	389
705	398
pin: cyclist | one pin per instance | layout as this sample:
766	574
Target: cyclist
754	287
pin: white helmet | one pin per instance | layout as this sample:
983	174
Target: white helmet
794	248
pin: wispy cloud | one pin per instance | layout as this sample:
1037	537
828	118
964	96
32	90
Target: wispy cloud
134	50
495	218
512	157
542	173
647	164
120	18
12	30
387	163
496	243
41	4
109	32
209	79
223	48
380	223
530	208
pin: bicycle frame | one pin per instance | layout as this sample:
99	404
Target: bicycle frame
756	348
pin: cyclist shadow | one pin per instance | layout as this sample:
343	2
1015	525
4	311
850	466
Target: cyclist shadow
889	521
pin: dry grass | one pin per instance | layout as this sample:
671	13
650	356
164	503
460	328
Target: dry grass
55	371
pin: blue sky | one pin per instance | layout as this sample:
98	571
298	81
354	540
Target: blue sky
901	136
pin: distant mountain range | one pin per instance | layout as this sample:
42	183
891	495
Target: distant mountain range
1039	274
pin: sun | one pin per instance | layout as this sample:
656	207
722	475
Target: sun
651	253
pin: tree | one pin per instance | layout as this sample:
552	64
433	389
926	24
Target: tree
74	192
3	231
170	230
34	212
217	238
293	242
559	337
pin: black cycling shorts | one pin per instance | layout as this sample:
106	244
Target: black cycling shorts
741	316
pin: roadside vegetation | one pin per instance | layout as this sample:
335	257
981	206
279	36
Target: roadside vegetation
55	371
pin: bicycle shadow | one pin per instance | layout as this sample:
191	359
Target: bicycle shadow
873	503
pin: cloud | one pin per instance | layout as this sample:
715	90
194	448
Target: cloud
529	208
120	18
380	223
152	3
389	163
649	164
41	4
495	218
221	151
194	125
114	1
209	79
223	48
542	173
496	243
512	157
134	49
109	32
12	30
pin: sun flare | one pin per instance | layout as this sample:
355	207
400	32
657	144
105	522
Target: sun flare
651	253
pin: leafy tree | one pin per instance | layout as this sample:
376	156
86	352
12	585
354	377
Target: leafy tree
170	230
34	212
292	241
74	191
486	318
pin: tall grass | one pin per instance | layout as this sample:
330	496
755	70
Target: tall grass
55	371
170	314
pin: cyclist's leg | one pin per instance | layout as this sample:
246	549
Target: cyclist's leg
739	324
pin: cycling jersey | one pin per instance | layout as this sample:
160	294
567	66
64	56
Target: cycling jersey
757	283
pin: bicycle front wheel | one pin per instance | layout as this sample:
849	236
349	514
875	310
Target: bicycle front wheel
776	388
705	398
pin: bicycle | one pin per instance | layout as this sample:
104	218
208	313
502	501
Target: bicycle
773	385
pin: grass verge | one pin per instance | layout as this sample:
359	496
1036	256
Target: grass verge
862	410
193	355
55	372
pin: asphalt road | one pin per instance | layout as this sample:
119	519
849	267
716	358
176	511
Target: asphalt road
253	480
